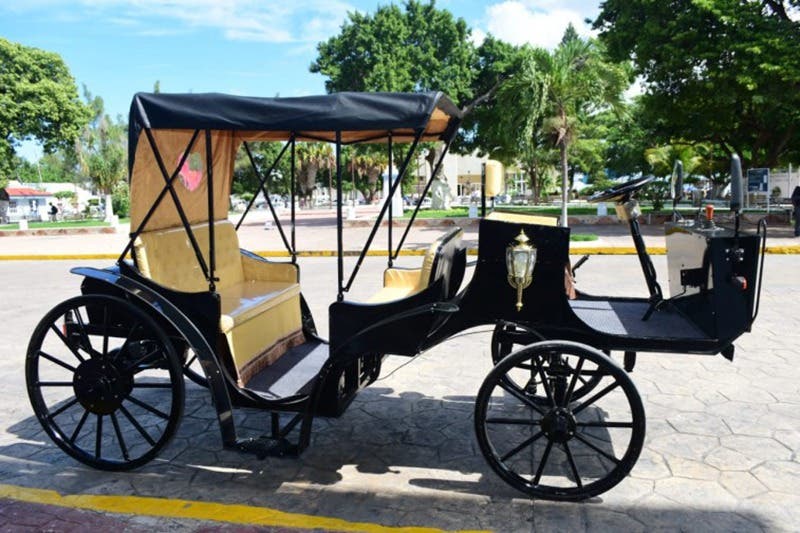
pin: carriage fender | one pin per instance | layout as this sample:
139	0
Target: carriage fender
173	315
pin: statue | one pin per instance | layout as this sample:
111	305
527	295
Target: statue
440	194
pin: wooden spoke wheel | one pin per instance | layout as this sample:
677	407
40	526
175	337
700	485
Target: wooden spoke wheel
104	382
565	447
502	344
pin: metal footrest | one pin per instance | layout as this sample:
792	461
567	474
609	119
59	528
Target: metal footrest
266	446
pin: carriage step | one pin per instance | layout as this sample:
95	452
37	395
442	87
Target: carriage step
292	374
265	446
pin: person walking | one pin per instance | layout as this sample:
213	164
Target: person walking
53	212
796	206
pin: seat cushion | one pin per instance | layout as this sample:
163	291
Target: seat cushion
248	299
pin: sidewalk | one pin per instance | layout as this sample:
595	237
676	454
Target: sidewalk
316	231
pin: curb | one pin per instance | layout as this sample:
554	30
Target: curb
42	232
199	510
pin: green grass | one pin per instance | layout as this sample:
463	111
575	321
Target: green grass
548	210
62	224
437	213
583	237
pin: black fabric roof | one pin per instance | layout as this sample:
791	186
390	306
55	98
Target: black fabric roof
345	112
330	112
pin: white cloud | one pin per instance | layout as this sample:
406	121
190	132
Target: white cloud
478	36
244	20
538	22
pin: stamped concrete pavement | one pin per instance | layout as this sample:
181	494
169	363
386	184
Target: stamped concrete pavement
722	451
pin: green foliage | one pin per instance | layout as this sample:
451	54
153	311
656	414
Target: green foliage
724	72
245	179
544	113
414	48
64	195
656	192
121	199
38	100
102	149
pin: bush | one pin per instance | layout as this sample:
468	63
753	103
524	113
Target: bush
121	200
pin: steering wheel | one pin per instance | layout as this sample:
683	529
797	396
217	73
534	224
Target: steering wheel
621	192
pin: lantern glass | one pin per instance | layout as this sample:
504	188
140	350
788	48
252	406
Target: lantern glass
520	259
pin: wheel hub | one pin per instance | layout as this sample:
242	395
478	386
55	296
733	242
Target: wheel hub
559	425
100	386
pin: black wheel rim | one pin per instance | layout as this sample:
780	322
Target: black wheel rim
563	448
530	381
192	368
104	381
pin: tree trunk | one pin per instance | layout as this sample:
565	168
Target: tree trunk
564	184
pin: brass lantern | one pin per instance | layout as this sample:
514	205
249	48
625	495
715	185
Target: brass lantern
520	259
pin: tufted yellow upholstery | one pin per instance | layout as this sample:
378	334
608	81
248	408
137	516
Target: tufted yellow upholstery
260	301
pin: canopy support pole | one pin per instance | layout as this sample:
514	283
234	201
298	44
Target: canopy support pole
422	196
262	187
294	191
339	241
390	199
212	252
159	198
392	190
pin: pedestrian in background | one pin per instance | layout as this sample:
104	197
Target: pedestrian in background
796	206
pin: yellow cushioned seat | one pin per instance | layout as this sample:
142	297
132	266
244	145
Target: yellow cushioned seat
399	283
260	301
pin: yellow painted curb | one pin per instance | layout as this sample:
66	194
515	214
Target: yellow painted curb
197	510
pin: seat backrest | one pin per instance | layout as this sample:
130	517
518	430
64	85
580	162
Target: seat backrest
166	256
440	258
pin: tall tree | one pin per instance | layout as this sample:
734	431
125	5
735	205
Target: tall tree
545	103
512	128
102	150
725	72
311	158
38	100
578	82
414	48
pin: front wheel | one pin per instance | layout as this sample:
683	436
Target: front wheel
104	381
564	447
506	336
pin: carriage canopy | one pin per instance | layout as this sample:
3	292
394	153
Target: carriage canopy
193	133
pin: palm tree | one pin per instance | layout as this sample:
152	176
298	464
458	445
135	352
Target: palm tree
370	164
312	157
578	82
520	110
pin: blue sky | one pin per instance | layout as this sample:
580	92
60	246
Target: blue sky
253	47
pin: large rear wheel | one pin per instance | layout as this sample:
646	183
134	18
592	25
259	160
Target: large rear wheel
564	447
104	381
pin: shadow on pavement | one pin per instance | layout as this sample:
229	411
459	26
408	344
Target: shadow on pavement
392	458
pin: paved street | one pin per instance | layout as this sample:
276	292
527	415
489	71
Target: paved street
721	454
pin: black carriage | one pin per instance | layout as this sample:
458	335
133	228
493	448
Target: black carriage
556	417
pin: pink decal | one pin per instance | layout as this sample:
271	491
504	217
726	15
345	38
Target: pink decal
191	173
